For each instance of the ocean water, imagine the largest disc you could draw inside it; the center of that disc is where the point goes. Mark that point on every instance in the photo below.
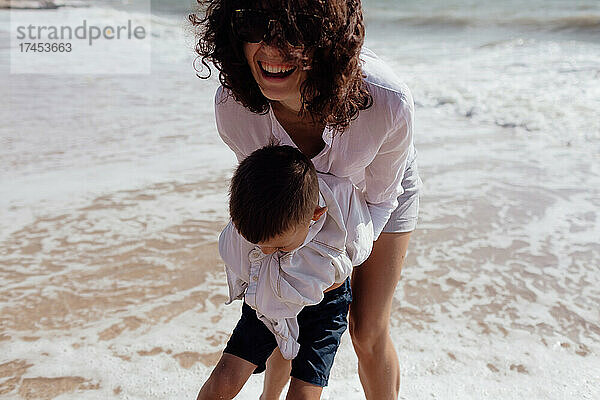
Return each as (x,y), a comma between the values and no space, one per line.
(529,64)
(113,189)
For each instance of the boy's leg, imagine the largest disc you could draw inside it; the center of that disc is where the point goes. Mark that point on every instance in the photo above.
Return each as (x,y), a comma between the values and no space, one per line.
(227,379)
(300,390)
(321,329)
(278,371)
(248,348)
(276,376)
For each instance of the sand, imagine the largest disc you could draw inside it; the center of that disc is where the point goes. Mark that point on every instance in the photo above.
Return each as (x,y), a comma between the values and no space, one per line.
(118,298)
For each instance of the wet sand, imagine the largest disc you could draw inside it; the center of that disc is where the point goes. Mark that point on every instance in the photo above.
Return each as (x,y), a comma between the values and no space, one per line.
(85,278)
(499,294)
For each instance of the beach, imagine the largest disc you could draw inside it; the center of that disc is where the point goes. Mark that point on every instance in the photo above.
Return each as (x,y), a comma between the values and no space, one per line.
(114,191)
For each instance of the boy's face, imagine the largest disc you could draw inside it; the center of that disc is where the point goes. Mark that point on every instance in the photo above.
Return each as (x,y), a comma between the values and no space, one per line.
(291,239)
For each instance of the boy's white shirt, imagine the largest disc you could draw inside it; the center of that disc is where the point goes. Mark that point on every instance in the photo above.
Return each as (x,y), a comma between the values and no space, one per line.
(279,285)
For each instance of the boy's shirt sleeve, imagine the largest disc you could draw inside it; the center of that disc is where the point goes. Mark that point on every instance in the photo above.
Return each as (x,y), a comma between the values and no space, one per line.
(231,248)
(295,281)
(237,286)
(286,332)
(349,206)
(359,228)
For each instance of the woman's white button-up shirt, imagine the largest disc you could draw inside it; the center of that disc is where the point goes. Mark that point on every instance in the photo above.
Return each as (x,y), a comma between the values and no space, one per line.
(373,152)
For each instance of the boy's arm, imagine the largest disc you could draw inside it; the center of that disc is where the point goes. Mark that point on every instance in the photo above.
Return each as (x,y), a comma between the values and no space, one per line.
(359,228)
(348,206)
(231,249)
(286,331)
(237,286)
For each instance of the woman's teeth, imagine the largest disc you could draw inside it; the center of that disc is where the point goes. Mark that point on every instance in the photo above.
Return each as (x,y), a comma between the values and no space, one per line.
(276,70)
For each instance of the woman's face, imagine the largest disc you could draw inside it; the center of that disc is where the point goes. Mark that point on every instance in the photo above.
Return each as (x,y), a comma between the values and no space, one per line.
(278,78)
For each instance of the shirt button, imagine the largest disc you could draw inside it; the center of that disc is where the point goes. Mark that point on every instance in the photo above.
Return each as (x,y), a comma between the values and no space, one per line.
(255,254)
(255,278)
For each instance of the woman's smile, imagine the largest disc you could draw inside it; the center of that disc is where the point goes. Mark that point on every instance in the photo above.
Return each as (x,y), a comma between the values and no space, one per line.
(276,71)
(278,79)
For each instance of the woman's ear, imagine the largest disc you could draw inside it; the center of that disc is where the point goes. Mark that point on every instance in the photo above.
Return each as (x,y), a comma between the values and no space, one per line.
(318,212)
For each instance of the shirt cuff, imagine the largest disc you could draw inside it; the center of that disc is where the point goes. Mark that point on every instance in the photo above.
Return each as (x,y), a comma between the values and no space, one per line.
(380,214)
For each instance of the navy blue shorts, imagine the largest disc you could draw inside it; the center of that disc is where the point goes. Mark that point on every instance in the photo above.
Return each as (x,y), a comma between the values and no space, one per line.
(321,328)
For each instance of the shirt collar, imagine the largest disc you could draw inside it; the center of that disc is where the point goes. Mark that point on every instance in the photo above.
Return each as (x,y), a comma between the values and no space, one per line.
(282,136)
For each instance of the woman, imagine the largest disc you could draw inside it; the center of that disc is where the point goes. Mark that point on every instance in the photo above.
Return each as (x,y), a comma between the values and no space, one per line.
(293,71)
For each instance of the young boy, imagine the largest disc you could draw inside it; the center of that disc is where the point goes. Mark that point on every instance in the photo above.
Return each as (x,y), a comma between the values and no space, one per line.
(289,250)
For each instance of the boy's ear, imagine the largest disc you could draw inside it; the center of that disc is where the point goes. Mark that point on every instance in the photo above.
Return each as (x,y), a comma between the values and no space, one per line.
(318,212)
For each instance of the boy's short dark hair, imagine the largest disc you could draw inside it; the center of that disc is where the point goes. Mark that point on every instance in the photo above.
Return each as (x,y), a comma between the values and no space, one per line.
(273,190)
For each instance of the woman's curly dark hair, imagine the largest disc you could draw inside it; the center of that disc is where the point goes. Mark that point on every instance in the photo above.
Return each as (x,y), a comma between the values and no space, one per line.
(333,92)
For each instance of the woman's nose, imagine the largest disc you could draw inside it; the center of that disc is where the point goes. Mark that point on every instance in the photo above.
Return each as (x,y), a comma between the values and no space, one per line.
(274,36)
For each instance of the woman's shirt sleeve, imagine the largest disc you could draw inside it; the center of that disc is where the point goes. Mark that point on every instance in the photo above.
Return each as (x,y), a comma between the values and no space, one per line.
(227,120)
(383,176)
(241,129)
